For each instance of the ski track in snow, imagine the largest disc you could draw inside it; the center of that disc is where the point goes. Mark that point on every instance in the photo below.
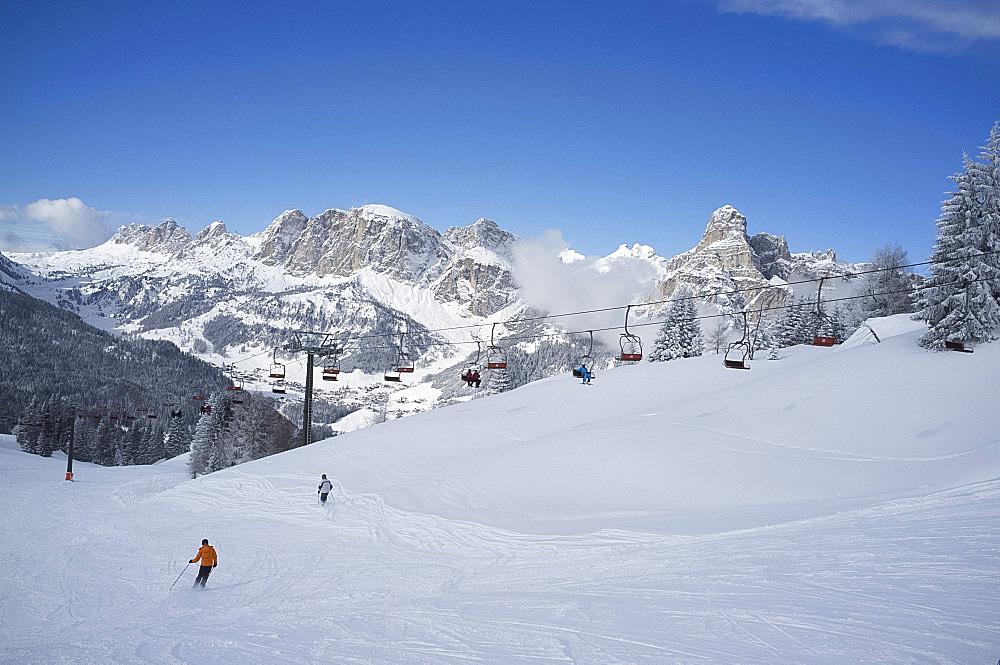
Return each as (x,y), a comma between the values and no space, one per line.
(361,581)
(902,570)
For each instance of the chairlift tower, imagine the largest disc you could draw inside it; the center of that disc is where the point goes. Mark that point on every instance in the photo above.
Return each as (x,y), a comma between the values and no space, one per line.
(327,347)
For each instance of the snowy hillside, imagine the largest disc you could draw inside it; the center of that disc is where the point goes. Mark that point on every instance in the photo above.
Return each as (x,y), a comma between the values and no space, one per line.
(834,506)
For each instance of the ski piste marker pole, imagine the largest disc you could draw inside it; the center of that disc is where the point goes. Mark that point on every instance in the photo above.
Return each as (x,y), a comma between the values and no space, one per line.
(179,577)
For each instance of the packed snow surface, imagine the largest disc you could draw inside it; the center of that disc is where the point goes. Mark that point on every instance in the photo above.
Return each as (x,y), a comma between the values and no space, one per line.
(835,506)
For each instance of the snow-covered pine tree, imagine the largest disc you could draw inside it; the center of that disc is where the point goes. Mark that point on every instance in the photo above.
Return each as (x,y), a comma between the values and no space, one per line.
(105,442)
(178,439)
(28,433)
(150,443)
(211,449)
(664,343)
(788,328)
(692,343)
(497,381)
(988,172)
(840,324)
(120,454)
(83,442)
(680,334)
(257,430)
(48,438)
(959,304)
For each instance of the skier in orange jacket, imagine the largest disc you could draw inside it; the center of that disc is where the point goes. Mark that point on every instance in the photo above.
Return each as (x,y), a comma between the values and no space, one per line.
(209,560)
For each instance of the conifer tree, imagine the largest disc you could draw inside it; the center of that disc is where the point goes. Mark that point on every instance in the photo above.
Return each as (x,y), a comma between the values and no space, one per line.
(680,334)
(664,342)
(960,304)
(988,171)
(178,439)
(211,450)
(104,442)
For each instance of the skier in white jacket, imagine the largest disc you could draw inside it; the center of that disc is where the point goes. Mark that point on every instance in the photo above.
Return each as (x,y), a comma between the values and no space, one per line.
(324,489)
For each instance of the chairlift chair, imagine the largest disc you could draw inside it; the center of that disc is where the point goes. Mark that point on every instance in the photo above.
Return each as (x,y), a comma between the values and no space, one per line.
(404,363)
(474,365)
(821,318)
(587,361)
(630,343)
(277,370)
(392,375)
(743,343)
(496,356)
(331,369)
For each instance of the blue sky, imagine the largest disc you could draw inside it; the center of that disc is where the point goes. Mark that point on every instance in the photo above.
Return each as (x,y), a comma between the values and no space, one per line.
(832,122)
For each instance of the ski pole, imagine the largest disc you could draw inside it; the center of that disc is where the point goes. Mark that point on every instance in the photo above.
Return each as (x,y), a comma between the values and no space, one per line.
(179,577)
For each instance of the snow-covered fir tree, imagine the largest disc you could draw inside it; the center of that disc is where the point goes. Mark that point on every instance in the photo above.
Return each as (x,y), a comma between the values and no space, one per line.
(960,304)
(680,334)
(988,172)
(209,449)
(105,443)
(178,438)
(232,434)
(791,326)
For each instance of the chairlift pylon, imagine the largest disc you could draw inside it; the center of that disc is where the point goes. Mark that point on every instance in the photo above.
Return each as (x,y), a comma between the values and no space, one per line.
(630,343)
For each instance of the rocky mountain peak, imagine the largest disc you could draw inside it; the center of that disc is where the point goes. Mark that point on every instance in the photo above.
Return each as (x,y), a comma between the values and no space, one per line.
(165,238)
(213,231)
(726,223)
(127,235)
(280,235)
(483,233)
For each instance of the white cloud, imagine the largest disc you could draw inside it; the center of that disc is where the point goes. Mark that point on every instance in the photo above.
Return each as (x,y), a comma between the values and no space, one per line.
(559,280)
(53,224)
(917,25)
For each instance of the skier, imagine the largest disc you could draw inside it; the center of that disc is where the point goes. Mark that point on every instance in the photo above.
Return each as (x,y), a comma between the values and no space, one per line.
(324,489)
(474,378)
(584,373)
(209,560)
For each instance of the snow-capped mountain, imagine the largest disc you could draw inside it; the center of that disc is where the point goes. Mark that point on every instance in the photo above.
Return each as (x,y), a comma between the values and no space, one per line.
(727,259)
(378,276)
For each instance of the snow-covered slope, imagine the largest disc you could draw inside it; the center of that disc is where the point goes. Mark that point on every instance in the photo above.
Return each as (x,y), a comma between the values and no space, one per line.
(833,506)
